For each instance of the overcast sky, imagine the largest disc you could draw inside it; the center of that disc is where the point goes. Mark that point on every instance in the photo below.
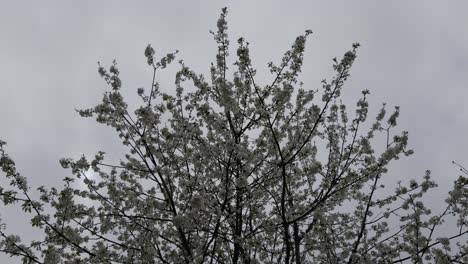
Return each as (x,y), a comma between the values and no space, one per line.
(413,54)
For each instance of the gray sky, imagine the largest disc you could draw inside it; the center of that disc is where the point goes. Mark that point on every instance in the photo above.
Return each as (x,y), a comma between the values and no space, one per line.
(414,54)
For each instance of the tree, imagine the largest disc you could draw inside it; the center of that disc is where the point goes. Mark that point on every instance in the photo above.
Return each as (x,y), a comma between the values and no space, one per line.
(238,172)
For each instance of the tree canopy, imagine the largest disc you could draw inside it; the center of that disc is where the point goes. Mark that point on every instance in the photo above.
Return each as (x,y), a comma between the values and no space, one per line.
(230,170)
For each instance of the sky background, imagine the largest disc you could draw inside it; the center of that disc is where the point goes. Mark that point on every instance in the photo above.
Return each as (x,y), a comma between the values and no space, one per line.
(413,54)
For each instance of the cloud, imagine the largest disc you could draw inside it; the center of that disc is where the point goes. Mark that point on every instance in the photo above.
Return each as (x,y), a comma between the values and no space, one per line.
(414,54)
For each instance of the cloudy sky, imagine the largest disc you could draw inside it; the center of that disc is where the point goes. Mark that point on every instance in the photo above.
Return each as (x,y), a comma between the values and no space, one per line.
(414,54)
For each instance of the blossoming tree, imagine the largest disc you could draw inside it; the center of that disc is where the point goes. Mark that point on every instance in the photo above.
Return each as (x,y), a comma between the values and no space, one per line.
(234,171)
